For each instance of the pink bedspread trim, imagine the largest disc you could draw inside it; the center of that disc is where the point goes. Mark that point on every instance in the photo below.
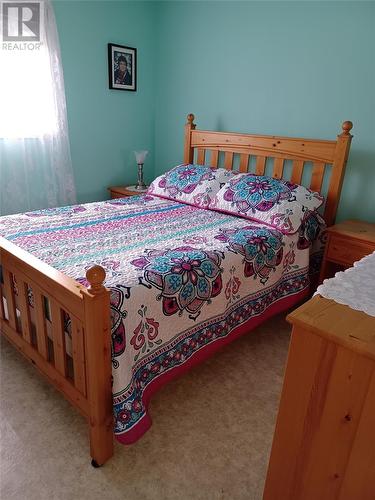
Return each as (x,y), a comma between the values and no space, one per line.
(132,435)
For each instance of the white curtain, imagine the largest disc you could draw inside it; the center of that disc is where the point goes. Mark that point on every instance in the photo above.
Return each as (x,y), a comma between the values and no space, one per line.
(35,162)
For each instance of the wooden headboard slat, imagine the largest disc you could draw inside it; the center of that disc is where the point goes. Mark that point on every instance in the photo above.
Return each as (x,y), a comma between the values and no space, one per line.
(201,156)
(228,160)
(297,171)
(244,162)
(260,165)
(317,176)
(278,168)
(301,151)
(214,158)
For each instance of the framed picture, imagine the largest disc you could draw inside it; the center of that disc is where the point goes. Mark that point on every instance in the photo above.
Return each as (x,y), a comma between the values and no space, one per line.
(122,67)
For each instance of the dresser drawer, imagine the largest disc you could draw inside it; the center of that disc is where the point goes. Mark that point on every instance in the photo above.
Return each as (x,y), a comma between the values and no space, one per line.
(346,251)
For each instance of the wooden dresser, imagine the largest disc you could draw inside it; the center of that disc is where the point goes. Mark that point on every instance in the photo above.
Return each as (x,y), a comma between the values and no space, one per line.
(324,441)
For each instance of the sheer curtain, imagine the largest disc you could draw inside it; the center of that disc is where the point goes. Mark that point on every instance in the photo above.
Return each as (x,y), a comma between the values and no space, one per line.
(35,163)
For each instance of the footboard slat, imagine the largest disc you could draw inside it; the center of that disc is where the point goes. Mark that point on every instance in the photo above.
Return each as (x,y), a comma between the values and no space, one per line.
(49,371)
(58,338)
(24,309)
(41,333)
(63,328)
(9,296)
(78,354)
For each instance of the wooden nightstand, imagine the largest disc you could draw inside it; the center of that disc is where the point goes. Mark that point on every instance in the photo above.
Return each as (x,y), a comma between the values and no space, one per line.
(347,242)
(124,191)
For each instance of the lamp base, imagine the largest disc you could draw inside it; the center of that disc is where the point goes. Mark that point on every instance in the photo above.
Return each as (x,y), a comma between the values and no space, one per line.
(140,187)
(137,189)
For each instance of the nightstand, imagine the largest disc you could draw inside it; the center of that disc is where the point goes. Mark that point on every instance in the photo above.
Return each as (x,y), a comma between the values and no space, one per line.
(347,242)
(124,191)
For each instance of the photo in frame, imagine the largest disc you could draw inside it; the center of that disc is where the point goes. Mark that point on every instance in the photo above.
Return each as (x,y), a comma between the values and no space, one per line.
(122,67)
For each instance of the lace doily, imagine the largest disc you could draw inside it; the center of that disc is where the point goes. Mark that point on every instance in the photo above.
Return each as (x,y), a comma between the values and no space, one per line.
(354,287)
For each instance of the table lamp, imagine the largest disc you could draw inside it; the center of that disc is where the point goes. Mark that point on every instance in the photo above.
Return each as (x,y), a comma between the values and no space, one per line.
(140,157)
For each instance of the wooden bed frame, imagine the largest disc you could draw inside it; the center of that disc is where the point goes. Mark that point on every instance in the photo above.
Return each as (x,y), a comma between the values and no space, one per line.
(84,376)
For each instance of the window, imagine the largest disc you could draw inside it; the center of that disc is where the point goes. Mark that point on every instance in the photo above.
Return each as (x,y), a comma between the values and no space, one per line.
(27,96)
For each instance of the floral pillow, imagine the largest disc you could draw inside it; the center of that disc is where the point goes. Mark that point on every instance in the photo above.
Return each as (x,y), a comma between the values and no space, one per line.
(277,203)
(193,184)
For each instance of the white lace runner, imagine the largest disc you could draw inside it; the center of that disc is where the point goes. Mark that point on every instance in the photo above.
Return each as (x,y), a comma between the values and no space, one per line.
(354,287)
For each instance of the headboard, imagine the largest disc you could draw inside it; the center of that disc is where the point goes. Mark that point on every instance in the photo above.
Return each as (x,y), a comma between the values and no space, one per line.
(324,156)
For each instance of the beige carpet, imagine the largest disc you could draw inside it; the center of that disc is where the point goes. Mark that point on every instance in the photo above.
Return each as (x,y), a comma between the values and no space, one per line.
(211,435)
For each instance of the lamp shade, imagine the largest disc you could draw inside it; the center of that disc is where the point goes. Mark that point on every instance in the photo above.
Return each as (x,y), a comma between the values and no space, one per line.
(140,156)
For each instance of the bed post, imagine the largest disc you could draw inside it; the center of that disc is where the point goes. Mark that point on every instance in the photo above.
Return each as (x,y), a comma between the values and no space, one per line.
(188,150)
(338,171)
(99,371)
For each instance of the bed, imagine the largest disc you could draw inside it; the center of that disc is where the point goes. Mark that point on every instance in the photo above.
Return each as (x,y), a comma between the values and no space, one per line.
(180,281)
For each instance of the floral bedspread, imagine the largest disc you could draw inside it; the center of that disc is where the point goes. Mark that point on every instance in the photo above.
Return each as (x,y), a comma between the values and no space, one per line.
(181,279)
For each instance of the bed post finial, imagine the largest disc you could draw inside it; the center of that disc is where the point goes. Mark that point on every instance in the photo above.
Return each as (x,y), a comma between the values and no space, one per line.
(346,127)
(96,276)
(188,150)
(190,119)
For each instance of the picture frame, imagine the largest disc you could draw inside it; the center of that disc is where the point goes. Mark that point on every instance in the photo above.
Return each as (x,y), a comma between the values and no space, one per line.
(122,67)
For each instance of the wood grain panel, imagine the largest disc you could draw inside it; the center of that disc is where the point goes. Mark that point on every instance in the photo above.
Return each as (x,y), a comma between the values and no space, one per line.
(354,331)
(359,481)
(304,356)
(334,457)
(333,423)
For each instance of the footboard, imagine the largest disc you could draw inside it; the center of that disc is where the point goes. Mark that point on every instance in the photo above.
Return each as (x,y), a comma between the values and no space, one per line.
(64,330)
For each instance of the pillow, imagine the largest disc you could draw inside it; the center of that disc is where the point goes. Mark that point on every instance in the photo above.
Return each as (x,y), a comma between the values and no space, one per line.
(277,203)
(192,184)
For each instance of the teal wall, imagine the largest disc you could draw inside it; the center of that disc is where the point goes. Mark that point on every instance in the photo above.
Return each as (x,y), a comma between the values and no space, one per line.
(286,68)
(105,126)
